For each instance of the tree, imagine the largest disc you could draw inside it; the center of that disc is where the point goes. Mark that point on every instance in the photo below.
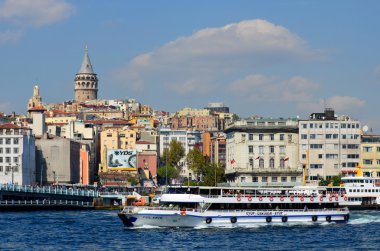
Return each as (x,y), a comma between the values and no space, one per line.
(174,154)
(173,173)
(323,182)
(196,161)
(213,174)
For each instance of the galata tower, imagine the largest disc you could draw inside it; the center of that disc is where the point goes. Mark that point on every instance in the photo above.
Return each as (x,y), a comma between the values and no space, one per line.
(86,81)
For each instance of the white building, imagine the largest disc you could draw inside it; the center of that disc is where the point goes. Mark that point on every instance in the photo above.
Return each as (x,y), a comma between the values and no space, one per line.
(17,155)
(329,145)
(263,152)
(188,139)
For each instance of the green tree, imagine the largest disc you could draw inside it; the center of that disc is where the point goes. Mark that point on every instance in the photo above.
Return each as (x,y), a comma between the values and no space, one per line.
(213,174)
(323,182)
(336,180)
(173,173)
(196,161)
(174,154)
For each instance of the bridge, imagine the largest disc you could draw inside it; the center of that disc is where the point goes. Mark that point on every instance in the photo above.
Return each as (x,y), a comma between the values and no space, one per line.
(15,197)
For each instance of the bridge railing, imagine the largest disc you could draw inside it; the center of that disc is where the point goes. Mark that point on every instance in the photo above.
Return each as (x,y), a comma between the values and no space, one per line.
(49,190)
(45,203)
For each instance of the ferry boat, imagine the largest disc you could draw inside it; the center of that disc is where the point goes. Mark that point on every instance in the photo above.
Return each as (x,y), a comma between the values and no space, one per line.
(362,192)
(237,206)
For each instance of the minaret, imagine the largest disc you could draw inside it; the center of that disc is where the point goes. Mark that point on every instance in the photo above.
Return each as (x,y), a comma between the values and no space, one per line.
(86,81)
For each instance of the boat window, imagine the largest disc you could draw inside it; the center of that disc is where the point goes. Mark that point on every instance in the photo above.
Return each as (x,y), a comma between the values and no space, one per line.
(350,190)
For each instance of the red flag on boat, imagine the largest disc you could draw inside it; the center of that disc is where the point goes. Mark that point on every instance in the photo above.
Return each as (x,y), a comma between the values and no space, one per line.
(232,161)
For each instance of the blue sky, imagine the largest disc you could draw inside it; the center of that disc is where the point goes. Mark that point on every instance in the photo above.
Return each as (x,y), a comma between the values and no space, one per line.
(268,58)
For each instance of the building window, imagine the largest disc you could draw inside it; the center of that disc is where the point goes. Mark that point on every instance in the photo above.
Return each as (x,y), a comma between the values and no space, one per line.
(1,141)
(255,179)
(282,163)
(320,156)
(250,149)
(378,161)
(261,163)
(7,141)
(1,159)
(261,149)
(293,179)
(7,159)
(264,179)
(271,149)
(378,149)
(274,179)
(282,149)
(303,136)
(242,179)
(261,136)
(304,125)
(304,156)
(271,163)
(282,137)
(7,150)
(271,136)
(316,166)
(251,162)
(316,146)
(367,162)
(15,159)
(250,136)
(15,141)
(284,179)
(367,149)
(15,150)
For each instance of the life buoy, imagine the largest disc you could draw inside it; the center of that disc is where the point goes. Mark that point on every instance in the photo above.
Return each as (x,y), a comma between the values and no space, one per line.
(292,198)
(268,219)
(238,198)
(249,198)
(328,218)
(233,220)
(321,198)
(271,198)
(261,198)
(346,217)
(284,218)
(345,198)
(314,218)
(330,199)
(282,198)
(336,198)
(301,198)
(311,198)
(208,220)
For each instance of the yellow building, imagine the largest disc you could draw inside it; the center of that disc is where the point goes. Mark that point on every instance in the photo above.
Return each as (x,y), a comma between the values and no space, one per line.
(142,120)
(370,155)
(193,112)
(116,138)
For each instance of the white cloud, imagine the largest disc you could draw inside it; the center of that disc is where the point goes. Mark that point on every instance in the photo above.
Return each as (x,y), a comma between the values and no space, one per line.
(213,53)
(34,13)
(9,37)
(345,103)
(261,88)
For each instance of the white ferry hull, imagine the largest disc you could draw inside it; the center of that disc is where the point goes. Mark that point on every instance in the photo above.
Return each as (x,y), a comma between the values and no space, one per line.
(158,218)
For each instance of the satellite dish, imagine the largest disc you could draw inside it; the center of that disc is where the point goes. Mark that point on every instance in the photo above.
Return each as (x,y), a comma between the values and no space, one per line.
(365,129)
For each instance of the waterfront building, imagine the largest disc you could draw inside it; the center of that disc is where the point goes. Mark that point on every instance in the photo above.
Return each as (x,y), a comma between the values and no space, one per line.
(329,145)
(263,152)
(214,147)
(17,155)
(192,112)
(117,155)
(217,107)
(370,155)
(188,139)
(57,160)
(86,81)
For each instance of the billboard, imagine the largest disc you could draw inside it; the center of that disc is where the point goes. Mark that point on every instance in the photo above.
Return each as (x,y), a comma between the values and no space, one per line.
(121,158)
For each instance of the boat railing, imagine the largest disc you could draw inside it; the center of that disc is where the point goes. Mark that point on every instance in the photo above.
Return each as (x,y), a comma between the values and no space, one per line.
(274,195)
(45,203)
(133,209)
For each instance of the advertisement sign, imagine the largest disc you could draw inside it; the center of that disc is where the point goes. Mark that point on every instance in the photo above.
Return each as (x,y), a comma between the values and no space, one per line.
(121,158)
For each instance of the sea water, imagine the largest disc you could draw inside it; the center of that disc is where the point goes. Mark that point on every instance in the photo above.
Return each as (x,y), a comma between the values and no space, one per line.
(102,230)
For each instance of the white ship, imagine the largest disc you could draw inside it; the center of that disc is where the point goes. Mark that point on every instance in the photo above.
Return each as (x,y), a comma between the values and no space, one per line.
(362,192)
(238,206)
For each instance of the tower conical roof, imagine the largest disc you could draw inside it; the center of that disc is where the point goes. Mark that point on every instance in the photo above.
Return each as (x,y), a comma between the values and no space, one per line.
(86,66)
